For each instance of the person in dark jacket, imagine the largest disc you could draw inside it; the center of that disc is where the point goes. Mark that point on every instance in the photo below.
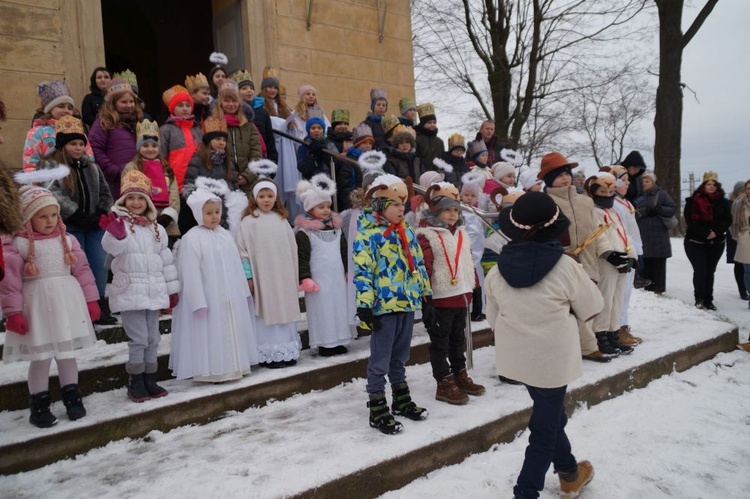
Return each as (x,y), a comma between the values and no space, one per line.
(636,166)
(402,161)
(492,144)
(653,205)
(708,215)
(455,158)
(100,79)
(311,159)
(339,132)
(254,111)
(378,107)
(429,145)
(408,108)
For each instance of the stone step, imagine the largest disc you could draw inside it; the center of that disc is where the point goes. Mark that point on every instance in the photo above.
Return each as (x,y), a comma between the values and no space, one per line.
(187,403)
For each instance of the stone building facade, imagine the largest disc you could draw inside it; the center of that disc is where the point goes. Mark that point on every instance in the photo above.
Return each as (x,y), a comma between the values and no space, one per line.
(342,47)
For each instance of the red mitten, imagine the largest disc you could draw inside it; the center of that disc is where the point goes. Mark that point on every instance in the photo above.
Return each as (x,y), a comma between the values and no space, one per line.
(17,324)
(200,314)
(174,299)
(114,225)
(94,311)
(308,285)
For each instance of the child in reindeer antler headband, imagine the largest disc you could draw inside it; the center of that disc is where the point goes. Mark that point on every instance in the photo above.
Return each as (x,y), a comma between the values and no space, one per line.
(391,282)
(322,250)
(447,257)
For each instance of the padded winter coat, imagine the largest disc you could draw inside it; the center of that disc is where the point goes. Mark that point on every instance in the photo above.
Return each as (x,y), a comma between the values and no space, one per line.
(654,233)
(40,140)
(403,164)
(429,147)
(243,146)
(113,149)
(698,230)
(178,142)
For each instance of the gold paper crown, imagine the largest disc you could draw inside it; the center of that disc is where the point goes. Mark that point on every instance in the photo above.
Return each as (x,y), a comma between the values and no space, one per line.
(242,76)
(195,82)
(269,72)
(130,77)
(426,109)
(282,90)
(213,124)
(171,92)
(135,182)
(118,85)
(456,140)
(146,128)
(711,175)
(229,85)
(404,129)
(69,125)
(340,116)
(389,123)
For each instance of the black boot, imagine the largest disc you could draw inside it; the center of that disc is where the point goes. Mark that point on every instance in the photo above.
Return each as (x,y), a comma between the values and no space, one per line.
(71,397)
(106,318)
(137,388)
(41,417)
(614,340)
(605,347)
(380,417)
(155,391)
(403,405)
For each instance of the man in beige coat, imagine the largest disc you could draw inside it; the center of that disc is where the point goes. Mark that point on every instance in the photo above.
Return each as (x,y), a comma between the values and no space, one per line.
(541,350)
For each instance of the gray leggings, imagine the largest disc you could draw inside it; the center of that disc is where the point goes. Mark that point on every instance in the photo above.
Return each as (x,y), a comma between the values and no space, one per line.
(142,327)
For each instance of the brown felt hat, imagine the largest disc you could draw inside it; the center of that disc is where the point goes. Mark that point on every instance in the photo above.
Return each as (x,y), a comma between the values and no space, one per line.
(553,161)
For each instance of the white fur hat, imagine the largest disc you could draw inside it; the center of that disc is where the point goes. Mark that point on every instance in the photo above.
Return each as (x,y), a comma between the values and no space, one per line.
(528,179)
(319,189)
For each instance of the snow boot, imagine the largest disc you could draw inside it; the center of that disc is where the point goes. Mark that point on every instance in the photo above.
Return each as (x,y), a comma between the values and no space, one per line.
(597,356)
(41,417)
(73,401)
(403,405)
(627,338)
(154,391)
(448,391)
(326,352)
(106,318)
(614,340)
(571,484)
(605,347)
(466,384)
(380,416)
(137,388)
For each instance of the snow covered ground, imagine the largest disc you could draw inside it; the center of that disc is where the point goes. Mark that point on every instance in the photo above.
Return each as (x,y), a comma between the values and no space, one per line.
(685,435)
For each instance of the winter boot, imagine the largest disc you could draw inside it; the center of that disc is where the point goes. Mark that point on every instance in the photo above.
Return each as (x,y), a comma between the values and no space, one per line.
(380,416)
(699,304)
(154,391)
(614,340)
(627,338)
(597,356)
(326,352)
(41,417)
(137,388)
(571,484)
(448,391)
(604,345)
(466,384)
(403,405)
(744,346)
(71,397)
(709,305)
(106,318)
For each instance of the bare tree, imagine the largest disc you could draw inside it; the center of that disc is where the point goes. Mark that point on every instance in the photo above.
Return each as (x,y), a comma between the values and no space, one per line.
(668,118)
(508,55)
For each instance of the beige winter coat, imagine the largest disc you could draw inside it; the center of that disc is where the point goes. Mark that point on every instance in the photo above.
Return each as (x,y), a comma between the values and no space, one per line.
(741,228)
(536,332)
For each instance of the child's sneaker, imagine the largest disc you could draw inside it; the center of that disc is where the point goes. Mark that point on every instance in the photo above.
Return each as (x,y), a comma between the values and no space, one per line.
(572,484)
(403,405)
(380,417)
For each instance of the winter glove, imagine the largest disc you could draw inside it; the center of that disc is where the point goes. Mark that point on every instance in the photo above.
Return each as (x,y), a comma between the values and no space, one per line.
(316,147)
(618,259)
(92,221)
(164,220)
(113,225)
(368,319)
(17,324)
(653,210)
(200,314)
(94,311)
(429,316)
(174,299)
(308,286)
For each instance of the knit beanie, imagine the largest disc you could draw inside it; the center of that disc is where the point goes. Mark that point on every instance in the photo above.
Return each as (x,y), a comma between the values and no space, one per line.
(315,120)
(550,177)
(34,198)
(501,169)
(528,179)
(319,189)
(270,78)
(54,93)
(430,177)
(649,175)
(174,95)
(68,128)
(304,88)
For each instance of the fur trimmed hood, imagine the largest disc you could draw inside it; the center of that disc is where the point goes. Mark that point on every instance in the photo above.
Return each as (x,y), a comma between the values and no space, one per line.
(10,209)
(302,222)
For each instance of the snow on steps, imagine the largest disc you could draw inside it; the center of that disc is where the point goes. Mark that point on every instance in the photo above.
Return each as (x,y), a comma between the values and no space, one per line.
(318,444)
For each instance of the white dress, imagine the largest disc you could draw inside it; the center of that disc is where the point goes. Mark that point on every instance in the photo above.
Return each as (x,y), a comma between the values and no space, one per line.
(54,304)
(222,345)
(327,320)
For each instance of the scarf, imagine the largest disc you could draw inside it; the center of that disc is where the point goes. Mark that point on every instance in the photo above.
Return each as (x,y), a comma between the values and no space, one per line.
(128,120)
(217,157)
(179,121)
(328,222)
(400,229)
(232,120)
(702,209)
(604,202)
(153,169)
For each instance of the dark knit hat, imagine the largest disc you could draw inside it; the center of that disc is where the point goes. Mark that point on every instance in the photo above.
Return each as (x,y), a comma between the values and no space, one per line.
(68,128)
(534,217)
(634,159)
(214,128)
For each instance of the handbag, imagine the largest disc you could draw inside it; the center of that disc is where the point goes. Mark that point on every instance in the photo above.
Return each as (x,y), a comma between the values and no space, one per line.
(669,222)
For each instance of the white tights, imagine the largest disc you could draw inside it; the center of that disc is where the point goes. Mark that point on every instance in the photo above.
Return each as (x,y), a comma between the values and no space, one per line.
(67,370)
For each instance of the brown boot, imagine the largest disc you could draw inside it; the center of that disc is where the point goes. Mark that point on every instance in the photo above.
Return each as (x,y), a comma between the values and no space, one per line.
(626,338)
(448,391)
(466,384)
(570,489)
(744,346)
(597,356)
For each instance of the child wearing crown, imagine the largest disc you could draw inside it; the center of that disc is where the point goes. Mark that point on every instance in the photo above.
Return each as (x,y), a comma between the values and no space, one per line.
(200,91)
(49,298)
(322,251)
(180,135)
(391,281)
(144,282)
(455,158)
(447,258)
(429,145)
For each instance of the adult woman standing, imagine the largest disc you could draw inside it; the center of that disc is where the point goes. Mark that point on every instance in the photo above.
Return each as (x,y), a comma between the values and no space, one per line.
(100,79)
(708,215)
(112,135)
(740,188)
(654,206)
(740,230)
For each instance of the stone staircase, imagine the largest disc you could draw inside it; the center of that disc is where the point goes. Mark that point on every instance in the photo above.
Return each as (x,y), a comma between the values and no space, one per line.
(447,437)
